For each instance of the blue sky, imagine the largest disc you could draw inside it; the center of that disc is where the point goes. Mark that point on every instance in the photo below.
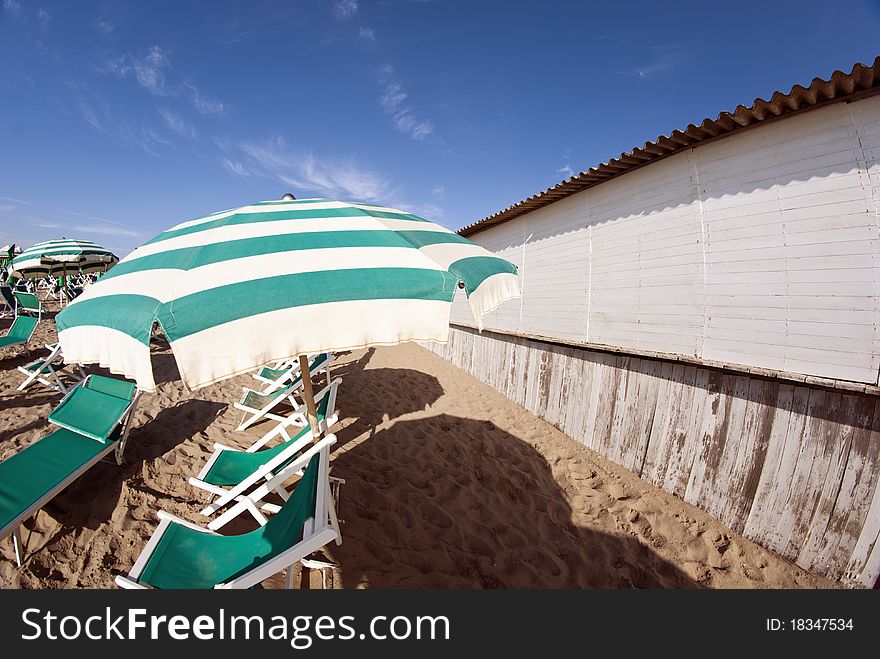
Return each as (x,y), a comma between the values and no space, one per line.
(120,119)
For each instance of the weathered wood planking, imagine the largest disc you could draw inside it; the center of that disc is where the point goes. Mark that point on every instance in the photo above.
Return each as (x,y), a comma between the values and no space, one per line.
(794,468)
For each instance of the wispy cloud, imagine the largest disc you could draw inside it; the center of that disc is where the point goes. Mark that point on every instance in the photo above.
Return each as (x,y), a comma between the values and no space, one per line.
(7,208)
(105,230)
(438,190)
(178,124)
(107,27)
(392,101)
(235,167)
(149,70)
(428,211)
(367,35)
(44,17)
(567,170)
(97,113)
(45,225)
(202,103)
(345,8)
(232,33)
(104,226)
(661,59)
(13,7)
(117,65)
(306,173)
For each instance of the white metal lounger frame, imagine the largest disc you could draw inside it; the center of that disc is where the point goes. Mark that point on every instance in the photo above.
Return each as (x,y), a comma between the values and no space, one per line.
(291,372)
(316,532)
(265,472)
(14,527)
(44,371)
(265,412)
(297,418)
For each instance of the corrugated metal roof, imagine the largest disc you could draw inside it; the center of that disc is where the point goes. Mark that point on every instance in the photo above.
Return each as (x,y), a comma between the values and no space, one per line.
(862,81)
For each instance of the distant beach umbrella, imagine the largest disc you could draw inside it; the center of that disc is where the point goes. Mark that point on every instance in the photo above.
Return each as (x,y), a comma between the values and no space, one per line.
(60,257)
(279,279)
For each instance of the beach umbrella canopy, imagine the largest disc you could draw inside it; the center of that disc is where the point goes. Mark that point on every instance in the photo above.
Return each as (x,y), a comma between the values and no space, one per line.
(60,257)
(273,280)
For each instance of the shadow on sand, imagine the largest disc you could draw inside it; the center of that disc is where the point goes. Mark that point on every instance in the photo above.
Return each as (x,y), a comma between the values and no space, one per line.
(446,501)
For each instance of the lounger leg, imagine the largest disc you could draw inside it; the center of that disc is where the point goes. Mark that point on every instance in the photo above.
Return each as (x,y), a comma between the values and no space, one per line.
(288,579)
(121,447)
(323,566)
(334,521)
(18,546)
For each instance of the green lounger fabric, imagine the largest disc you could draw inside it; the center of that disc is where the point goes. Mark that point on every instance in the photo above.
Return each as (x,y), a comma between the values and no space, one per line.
(272,373)
(41,366)
(27,301)
(186,558)
(20,331)
(93,409)
(29,475)
(275,373)
(258,401)
(119,388)
(232,467)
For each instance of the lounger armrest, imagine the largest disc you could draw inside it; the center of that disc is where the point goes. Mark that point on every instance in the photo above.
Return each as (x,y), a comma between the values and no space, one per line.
(218,449)
(177,520)
(128,584)
(213,490)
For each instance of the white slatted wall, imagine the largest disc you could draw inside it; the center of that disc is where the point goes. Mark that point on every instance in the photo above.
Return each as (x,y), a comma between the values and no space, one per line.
(760,249)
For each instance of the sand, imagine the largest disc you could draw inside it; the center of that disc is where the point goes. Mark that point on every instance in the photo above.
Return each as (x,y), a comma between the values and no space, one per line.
(449,485)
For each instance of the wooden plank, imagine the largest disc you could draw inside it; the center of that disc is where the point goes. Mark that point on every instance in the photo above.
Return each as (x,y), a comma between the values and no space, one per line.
(693,397)
(552,383)
(579,387)
(637,432)
(718,400)
(624,429)
(863,567)
(847,495)
(533,379)
(615,375)
(669,429)
(720,451)
(597,363)
(749,455)
(783,450)
(810,472)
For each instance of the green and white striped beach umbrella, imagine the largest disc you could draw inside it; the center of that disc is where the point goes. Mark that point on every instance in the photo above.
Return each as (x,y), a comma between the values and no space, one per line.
(243,287)
(58,257)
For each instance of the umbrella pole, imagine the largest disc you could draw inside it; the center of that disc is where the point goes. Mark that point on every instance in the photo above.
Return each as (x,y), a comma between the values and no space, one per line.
(309,396)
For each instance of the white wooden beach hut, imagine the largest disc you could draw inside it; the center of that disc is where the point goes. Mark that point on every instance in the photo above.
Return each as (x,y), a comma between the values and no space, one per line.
(705,310)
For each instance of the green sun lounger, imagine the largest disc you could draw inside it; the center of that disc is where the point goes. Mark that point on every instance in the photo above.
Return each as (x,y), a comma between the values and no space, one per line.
(278,377)
(20,332)
(93,421)
(257,405)
(29,311)
(239,477)
(48,371)
(8,300)
(183,555)
(28,303)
